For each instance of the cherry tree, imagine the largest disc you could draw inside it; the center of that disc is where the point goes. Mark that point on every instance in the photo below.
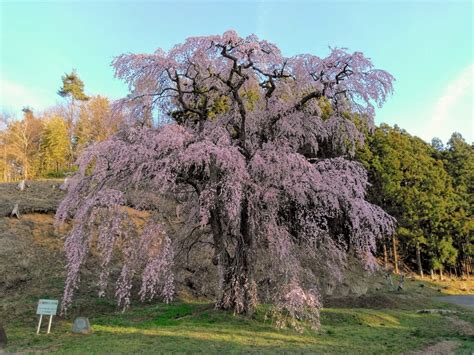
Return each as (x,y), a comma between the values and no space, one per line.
(256,148)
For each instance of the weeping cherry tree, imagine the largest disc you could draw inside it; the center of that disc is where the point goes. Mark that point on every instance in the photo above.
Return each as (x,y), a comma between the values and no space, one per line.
(256,147)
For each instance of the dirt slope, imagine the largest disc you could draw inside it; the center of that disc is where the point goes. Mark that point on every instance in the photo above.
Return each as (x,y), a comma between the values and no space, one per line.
(39,196)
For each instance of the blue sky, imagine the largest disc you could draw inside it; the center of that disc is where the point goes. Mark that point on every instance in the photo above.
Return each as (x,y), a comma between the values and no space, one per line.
(426,45)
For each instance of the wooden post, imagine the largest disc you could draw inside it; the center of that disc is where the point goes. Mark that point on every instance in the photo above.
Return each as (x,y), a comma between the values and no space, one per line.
(49,324)
(39,324)
(385,256)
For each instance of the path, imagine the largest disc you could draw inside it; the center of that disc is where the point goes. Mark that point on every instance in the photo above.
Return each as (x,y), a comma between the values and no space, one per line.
(461,300)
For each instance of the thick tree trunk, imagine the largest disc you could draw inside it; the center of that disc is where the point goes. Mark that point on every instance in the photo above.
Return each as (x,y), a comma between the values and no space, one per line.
(233,255)
(418,259)
(237,289)
(395,255)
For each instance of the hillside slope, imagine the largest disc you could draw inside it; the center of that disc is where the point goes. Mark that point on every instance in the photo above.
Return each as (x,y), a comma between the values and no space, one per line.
(41,196)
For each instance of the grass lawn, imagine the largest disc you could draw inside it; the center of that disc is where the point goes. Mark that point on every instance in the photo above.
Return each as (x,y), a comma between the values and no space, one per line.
(197,327)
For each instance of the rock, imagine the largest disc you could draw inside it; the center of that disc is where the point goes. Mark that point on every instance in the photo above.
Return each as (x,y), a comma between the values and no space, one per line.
(64,185)
(16,211)
(81,326)
(21,185)
(3,337)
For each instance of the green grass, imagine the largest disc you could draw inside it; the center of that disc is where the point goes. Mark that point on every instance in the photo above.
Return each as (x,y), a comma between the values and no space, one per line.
(198,327)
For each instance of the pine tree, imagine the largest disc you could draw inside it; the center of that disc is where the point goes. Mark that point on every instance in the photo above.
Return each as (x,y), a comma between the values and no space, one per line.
(72,88)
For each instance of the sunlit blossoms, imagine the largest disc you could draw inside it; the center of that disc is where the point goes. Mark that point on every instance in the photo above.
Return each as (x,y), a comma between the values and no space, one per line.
(256,148)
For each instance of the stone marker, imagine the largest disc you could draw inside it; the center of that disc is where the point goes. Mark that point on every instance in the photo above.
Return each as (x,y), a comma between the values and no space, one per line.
(3,337)
(63,186)
(21,186)
(81,326)
(16,211)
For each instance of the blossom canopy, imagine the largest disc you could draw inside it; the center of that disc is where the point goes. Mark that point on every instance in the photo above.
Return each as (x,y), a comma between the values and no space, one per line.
(256,149)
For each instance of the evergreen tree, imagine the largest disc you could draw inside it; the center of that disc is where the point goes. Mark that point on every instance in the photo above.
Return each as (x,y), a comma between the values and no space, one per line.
(459,161)
(411,185)
(72,88)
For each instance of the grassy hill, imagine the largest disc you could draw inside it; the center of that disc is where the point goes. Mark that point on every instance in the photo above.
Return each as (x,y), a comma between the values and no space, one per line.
(32,267)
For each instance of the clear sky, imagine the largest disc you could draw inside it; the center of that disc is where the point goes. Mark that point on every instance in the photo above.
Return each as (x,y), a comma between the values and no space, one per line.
(426,45)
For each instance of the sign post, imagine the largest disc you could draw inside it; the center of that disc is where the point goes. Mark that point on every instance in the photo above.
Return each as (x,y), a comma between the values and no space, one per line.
(46,307)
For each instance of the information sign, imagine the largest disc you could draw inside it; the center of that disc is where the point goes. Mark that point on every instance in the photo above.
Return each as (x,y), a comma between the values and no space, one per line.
(48,308)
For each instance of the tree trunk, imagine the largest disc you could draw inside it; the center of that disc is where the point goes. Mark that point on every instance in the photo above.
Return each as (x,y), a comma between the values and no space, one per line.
(418,259)
(25,171)
(440,274)
(395,256)
(385,256)
(5,172)
(468,267)
(237,289)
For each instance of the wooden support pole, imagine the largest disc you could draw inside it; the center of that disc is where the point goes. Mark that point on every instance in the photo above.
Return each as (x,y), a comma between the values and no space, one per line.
(50,321)
(39,324)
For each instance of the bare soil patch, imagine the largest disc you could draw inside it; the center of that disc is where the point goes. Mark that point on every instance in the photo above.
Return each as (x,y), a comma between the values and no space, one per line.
(442,348)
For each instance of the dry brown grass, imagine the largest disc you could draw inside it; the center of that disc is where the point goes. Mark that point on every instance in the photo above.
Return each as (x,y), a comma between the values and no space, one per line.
(31,263)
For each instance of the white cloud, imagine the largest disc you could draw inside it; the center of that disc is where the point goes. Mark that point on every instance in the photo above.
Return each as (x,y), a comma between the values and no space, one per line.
(453,110)
(14,96)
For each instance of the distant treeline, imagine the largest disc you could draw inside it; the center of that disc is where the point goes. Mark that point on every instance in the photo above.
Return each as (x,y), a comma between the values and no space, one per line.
(47,144)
